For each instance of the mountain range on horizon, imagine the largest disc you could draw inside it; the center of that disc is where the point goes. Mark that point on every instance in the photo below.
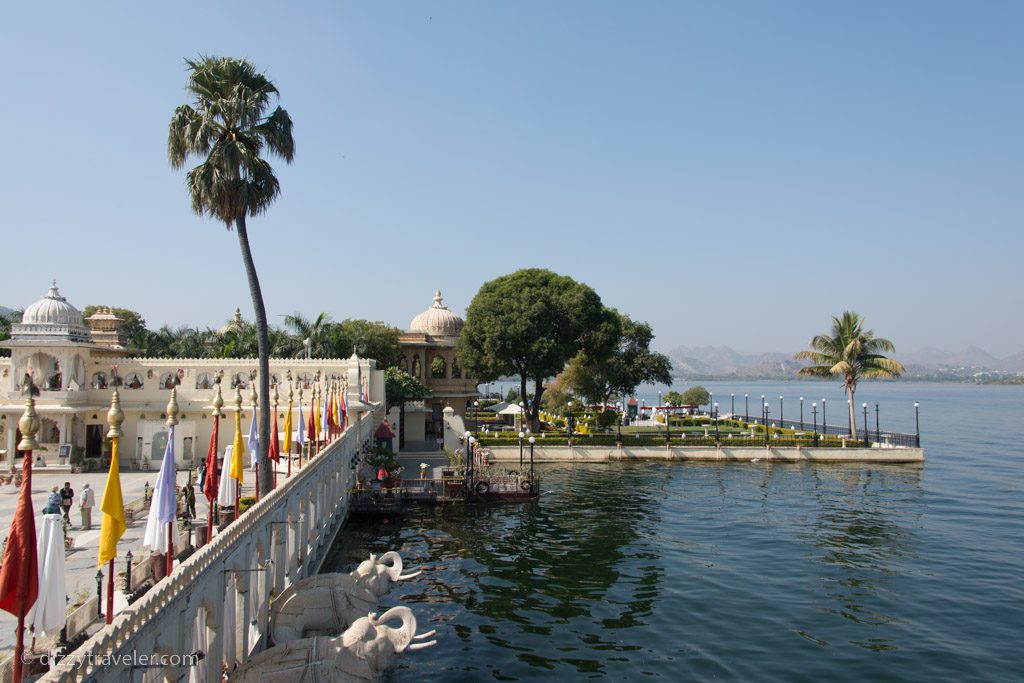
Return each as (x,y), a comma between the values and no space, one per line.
(724,361)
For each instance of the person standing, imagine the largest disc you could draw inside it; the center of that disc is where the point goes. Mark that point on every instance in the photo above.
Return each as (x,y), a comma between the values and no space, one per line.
(87,502)
(53,502)
(67,496)
(201,472)
(188,495)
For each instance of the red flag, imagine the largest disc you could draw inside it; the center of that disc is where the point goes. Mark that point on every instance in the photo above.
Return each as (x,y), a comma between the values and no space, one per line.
(275,450)
(19,577)
(211,483)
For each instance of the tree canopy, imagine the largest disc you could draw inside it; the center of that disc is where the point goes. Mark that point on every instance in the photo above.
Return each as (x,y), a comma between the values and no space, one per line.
(851,353)
(132,325)
(597,377)
(529,324)
(695,396)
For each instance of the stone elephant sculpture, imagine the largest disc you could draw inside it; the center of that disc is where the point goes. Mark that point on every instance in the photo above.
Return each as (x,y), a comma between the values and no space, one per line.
(360,653)
(327,604)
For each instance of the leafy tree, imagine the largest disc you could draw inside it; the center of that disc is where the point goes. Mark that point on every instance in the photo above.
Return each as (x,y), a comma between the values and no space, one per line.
(132,325)
(512,396)
(529,324)
(371,339)
(5,329)
(630,364)
(695,396)
(400,387)
(851,353)
(674,398)
(228,125)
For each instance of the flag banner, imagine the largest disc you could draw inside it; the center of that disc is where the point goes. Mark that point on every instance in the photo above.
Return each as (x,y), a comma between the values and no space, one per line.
(226,488)
(237,449)
(325,418)
(275,453)
(164,506)
(254,442)
(302,428)
(287,445)
(113,525)
(51,611)
(19,575)
(212,476)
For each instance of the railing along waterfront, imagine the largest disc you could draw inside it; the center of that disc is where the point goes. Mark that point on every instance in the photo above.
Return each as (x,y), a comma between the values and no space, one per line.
(212,609)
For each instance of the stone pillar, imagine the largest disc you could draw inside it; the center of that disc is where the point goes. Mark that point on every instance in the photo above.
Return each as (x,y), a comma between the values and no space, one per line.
(242,615)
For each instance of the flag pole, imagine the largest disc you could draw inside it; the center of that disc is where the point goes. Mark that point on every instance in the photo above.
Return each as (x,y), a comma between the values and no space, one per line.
(302,445)
(115,416)
(29,425)
(288,429)
(238,423)
(172,420)
(274,436)
(218,402)
(256,468)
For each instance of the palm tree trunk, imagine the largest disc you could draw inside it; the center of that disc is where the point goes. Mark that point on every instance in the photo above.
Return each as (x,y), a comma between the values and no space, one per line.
(853,415)
(263,345)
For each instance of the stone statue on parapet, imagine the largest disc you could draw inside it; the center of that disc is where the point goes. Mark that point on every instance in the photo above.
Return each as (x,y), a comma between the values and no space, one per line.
(360,653)
(327,604)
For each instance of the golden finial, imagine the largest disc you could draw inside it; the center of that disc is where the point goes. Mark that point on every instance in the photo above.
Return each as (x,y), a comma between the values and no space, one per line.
(291,394)
(172,408)
(29,425)
(218,401)
(115,416)
(238,399)
(252,395)
(277,397)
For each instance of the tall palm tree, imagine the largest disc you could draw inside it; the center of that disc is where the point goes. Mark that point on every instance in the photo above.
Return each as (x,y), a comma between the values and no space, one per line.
(851,353)
(228,123)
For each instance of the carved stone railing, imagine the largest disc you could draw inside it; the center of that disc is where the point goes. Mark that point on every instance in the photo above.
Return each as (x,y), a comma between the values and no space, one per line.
(283,537)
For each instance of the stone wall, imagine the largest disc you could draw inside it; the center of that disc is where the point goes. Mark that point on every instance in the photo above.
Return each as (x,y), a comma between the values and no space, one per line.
(748,454)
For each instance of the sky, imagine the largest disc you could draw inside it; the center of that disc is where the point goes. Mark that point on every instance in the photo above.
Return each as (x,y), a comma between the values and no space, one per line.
(734,173)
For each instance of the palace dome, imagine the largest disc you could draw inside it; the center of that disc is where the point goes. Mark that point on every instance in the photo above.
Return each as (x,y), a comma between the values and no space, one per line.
(52,309)
(51,318)
(437,321)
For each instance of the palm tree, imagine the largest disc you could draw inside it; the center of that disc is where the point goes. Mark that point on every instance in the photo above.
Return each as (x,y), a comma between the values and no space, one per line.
(850,353)
(228,124)
(317,331)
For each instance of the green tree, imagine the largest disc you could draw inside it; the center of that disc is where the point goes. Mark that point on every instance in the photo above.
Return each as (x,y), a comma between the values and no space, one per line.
(529,324)
(851,353)
(400,387)
(230,125)
(630,364)
(370,339)
(674,398)
(695,396)
(132,325)
(5,329)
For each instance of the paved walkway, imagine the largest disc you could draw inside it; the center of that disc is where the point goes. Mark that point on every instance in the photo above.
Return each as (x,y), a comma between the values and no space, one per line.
(80,570)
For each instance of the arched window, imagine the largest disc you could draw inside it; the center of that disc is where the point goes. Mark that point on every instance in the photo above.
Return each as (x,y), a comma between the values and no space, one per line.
(133,381)
(456,368)
(204,381)
(99,380)
(438,368)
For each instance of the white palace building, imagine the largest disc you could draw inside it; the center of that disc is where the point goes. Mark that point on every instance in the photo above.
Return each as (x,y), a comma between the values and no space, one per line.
(71,361)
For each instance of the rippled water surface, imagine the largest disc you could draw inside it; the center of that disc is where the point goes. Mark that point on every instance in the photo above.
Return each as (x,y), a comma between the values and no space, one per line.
(737,571)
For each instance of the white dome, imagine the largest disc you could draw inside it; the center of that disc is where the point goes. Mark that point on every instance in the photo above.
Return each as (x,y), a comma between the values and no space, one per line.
(52,309)
(437,321)
(52,317)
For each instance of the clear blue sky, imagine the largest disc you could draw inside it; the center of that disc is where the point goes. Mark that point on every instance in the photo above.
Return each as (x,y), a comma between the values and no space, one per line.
(734,173)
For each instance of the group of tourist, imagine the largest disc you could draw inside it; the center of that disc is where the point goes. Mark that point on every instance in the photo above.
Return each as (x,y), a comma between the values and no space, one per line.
(61,500)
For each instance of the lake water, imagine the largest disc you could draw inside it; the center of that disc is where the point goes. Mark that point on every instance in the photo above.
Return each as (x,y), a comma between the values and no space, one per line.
(738,572)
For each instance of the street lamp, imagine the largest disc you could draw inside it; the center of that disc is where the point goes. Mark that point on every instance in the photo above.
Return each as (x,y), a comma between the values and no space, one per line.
(878,435)
(521,416)
(716,423)
(917,423)
(532,439)
(801,413)
(476,416)
(732,408)
(711,397)
(521,435)
(568,422)
(746,407)
(814,411)
(865,406)
(469,450)
(766,437)
(824,422)
(781,423)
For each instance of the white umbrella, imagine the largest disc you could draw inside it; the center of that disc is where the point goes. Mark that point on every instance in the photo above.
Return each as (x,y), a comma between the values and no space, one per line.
(226,492)
(50,612)
(164,507)
(511,409)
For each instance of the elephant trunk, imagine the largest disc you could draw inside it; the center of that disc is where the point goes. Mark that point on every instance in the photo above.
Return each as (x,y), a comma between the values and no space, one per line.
(403,636)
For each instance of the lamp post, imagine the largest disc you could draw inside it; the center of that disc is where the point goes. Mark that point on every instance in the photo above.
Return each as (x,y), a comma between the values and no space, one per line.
(128,572)
(849,418)
(824,423)
(732,406)
(814,411)
(568,422)
(521,435)
(476,416)
(716,423)
(801,413)
(878,434)
(711,398)
(865,406)
(917,424)
(766,436)
(470,441)
(532,439)
(746,407)
(467,437)
(781,423)
(521,407)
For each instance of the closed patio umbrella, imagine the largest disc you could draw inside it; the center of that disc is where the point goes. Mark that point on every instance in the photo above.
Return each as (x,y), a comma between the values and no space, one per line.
(50,611)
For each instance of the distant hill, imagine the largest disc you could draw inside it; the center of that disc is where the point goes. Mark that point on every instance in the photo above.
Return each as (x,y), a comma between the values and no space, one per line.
(6,312)
(723,362)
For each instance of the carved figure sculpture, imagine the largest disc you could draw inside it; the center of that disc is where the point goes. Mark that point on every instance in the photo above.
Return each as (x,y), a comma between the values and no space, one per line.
(364,650)
(326,604)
